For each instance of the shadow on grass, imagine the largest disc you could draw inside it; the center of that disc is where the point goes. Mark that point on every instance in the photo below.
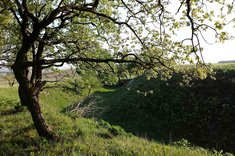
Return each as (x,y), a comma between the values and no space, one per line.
(12,111)
(18,143)
(18,146)
(8,112)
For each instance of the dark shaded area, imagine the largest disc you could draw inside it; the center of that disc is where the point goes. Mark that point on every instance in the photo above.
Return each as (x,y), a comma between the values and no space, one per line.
(8,112)
(201,111)
(15,140)
(20,143)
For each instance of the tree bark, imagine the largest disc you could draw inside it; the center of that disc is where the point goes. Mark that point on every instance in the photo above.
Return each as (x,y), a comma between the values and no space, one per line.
(39,122)
(30,98)
(29,93)
(22,96)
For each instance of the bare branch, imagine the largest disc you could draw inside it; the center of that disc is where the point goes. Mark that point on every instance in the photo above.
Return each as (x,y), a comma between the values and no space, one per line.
(181,4)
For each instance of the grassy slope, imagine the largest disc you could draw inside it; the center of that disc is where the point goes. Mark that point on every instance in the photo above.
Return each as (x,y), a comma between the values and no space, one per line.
(201,111)
(79,136)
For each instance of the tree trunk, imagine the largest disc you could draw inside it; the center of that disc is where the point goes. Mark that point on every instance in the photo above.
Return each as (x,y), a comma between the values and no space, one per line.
(39,122)
(29,90)
(29,96)
(22,95)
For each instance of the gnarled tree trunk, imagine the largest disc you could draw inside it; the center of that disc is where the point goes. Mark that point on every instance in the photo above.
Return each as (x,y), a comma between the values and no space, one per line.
(29,90)
(29,96)
(39,122)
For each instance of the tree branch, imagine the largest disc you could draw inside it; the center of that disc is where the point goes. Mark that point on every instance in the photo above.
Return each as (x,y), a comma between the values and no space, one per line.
(67,60)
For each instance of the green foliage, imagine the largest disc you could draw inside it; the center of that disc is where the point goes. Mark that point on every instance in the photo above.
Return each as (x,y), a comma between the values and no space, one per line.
(114,29)
(104,73)
(84,84)
(182,142)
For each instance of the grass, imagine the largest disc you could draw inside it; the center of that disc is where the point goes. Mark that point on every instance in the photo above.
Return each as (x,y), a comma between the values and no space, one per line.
(78,136)
(201,111)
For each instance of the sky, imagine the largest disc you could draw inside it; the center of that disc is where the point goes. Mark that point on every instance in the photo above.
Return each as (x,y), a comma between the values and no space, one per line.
(213,51)
(219,52)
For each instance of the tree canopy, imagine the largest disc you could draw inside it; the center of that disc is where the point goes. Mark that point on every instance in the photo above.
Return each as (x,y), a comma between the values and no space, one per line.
(139,31)
(42,34)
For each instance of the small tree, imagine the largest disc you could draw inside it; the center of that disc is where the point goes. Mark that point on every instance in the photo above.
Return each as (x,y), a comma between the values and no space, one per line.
(39,34)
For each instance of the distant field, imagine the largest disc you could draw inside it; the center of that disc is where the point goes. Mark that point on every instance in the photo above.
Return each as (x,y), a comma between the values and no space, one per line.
(3,82)
(48,76)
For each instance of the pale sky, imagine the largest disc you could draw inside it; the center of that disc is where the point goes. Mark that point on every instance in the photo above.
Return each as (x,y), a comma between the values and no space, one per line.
(219,52)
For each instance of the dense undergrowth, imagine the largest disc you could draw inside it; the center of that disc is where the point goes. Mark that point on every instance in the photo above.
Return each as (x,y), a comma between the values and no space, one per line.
(78,136)
(201,111)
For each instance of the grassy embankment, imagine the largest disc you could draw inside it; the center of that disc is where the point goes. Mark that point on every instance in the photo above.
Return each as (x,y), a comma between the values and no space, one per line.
(78,136)
(200,111)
